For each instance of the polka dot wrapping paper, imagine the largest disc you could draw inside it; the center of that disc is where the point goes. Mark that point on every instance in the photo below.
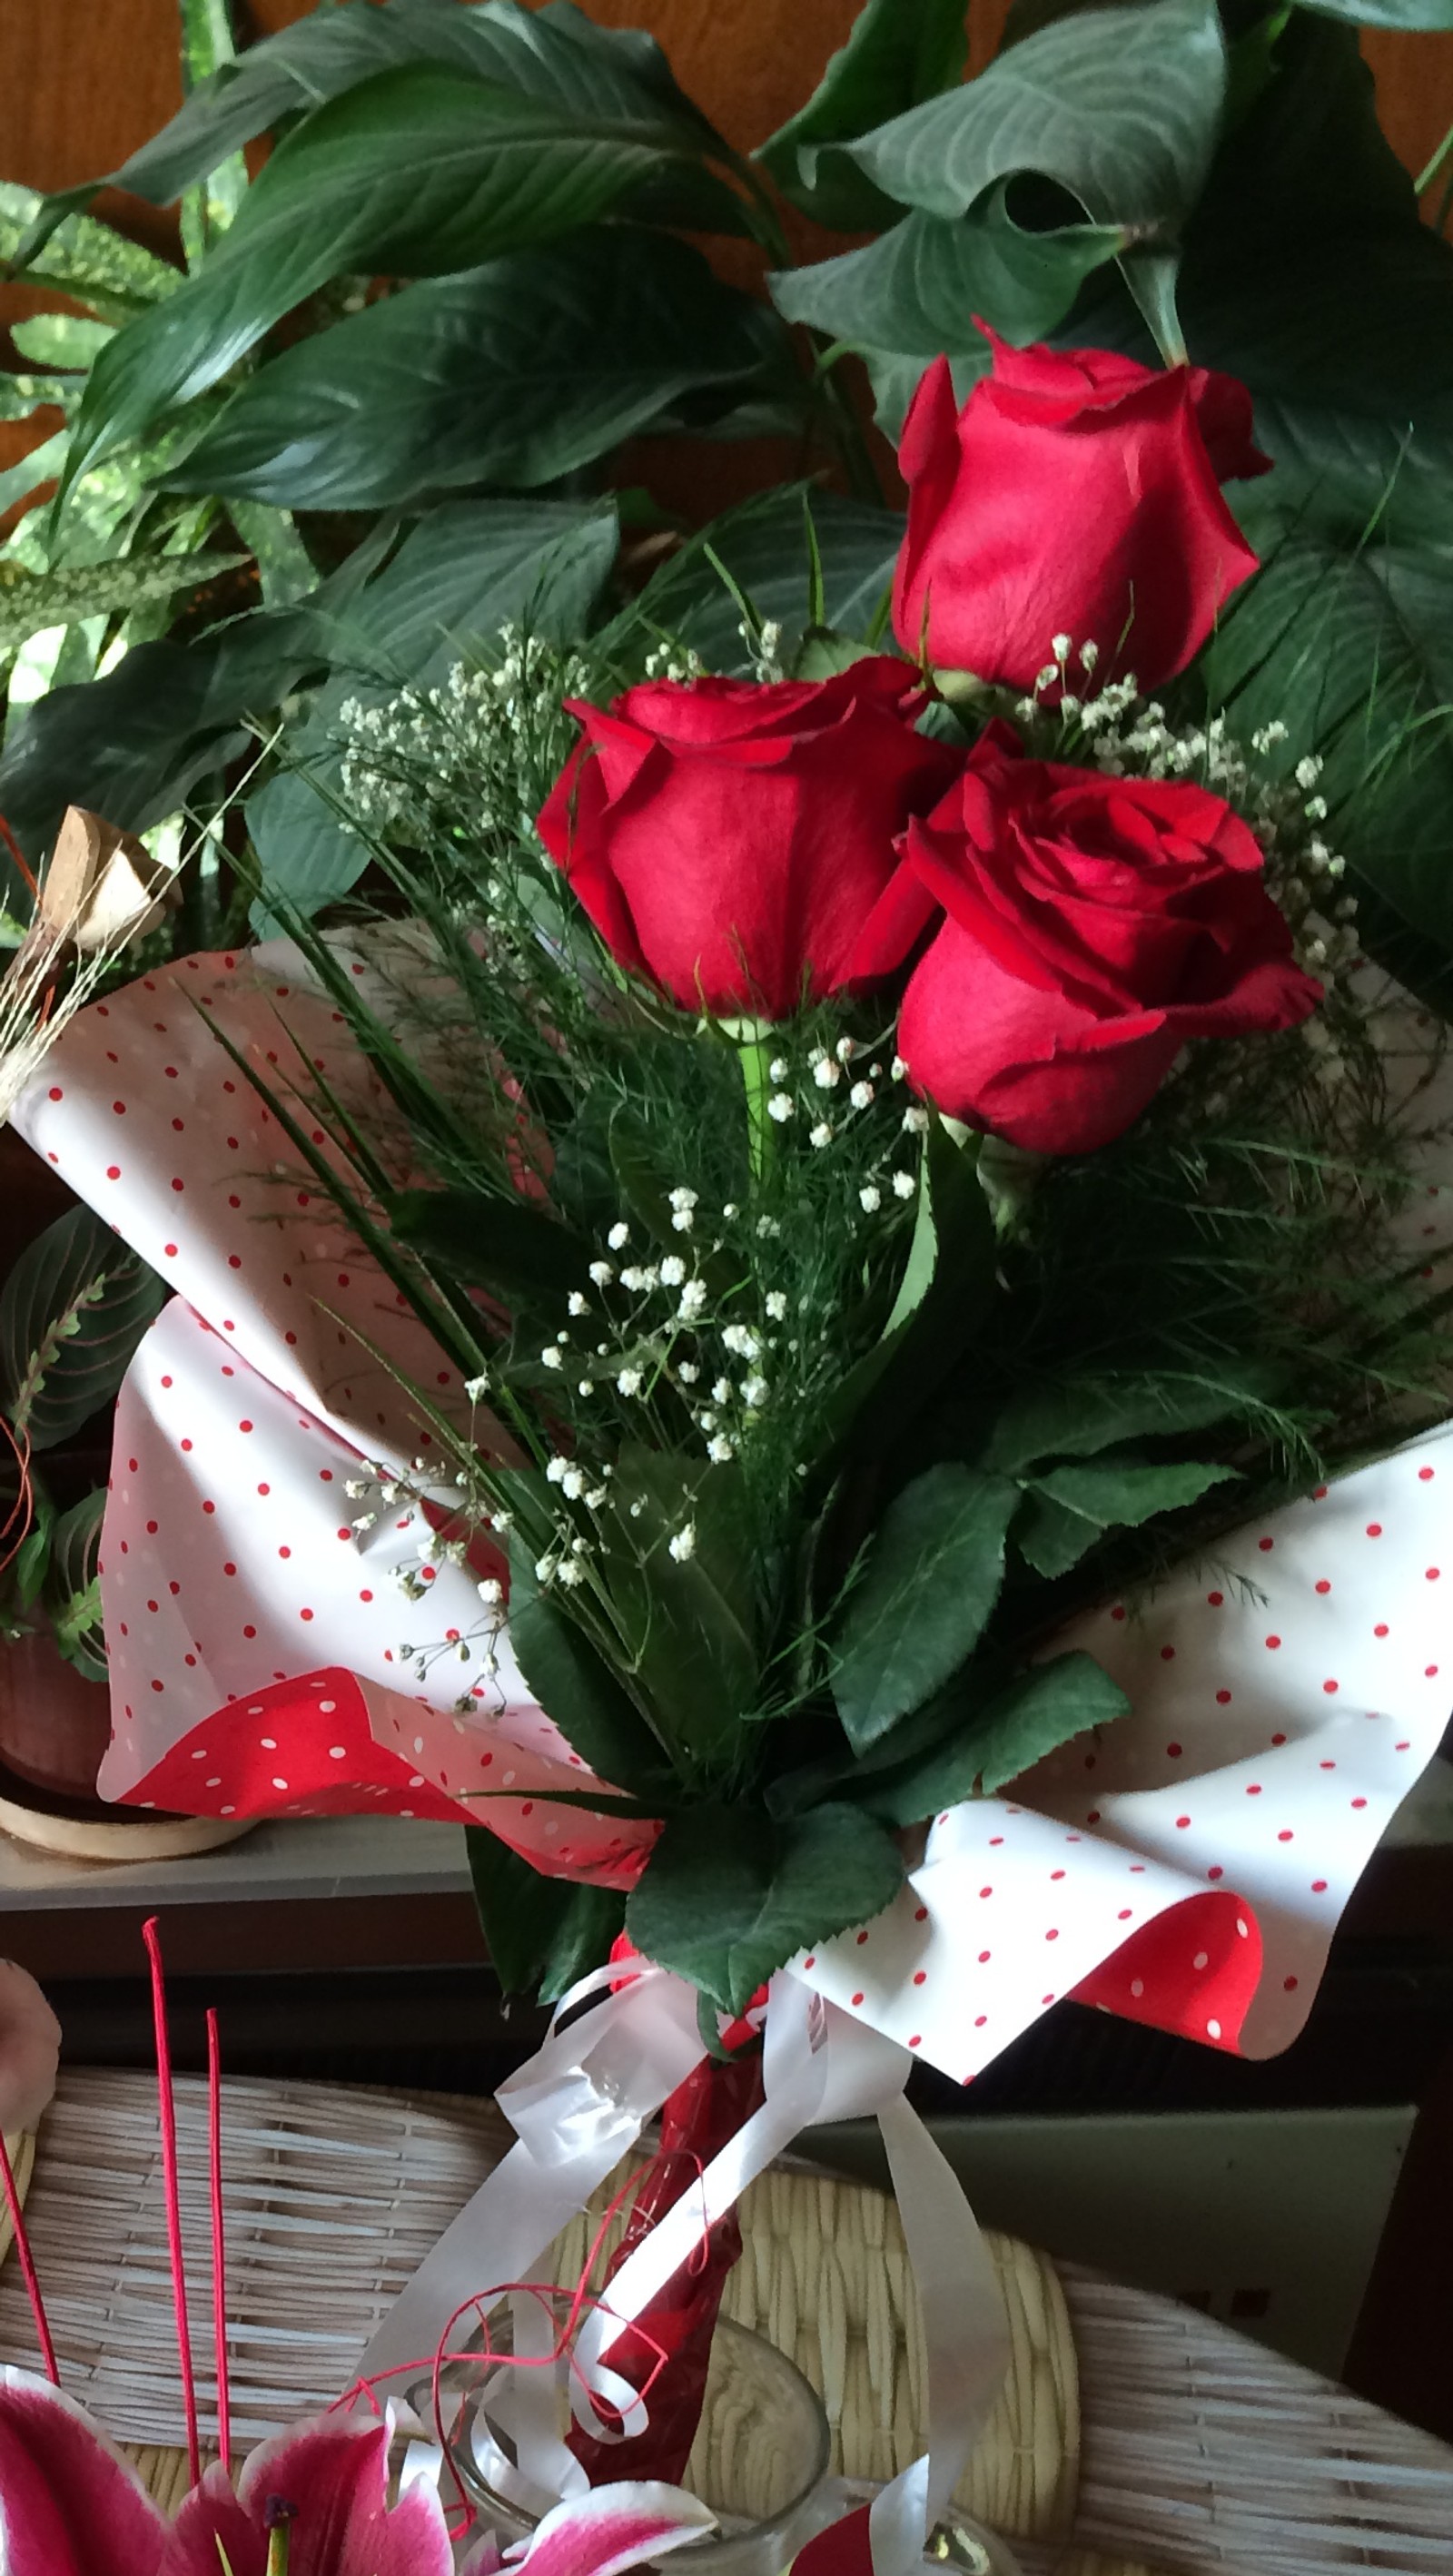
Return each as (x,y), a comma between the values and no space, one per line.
(1186,1868)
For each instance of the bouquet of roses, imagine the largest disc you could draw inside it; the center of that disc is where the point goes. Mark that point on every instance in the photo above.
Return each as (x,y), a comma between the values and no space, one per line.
(883,1153)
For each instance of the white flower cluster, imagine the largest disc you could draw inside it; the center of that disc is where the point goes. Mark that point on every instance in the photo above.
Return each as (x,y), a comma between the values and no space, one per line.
(481,738)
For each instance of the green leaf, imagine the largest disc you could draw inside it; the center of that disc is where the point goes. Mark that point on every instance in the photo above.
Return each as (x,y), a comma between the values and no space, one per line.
(466,569)
(72,1590)
(921,288)
(552,53)
(208,208)
(947,1283)
(541,1933)
(899,53)
(1351,645)
(415,172)
(575,1687)
(764,548)
(85,260)
(491,1242)
(1037,1713)
(60,340)
(1121,1493)
(1051,1538)
(512,374)
(71,1314)
(729,1896)
(131,746)
(1073,1417)
(1122,107)
(30,600)
(933,1572)
(689,1626)
(1406,17)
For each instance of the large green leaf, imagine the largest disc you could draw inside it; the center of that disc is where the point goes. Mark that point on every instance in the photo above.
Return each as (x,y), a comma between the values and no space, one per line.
(132,745)
(1122,107)
(415,172)
(1032,1716)
(576,1688)
(1073,1417)
(729,1896)
(511,374)
(31,600)
(541,1933)
(1350,645)
(933,1573)
(208,45)
(899,53)
(552,53)
(1407,17)
(764,547)
(71,1314)
(920,289)
(464,571)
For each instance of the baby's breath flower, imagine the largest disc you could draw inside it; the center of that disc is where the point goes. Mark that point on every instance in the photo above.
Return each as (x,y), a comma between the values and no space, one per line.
(550,1358)
(719,1449)
(576,1304)
(476,1388)
(915,1121)
(1059,646)
(741,1339)
(673,1270)
(683,1545)
(820,1135)
(754,1392)
(618,1237)
(556,1470)
(596,1499)
(680,1199)
(572,1484)
(692,1301)
(571,1574)
(781,1106)
(870,1198)
(861,1095)
(778,1069)
(602,1273)
(1308,770)
(688,1372)
(1089,653)
(491,1591)
(776,1304)
(630,1381)
(904,1185)
(826,1071)
(721,1392)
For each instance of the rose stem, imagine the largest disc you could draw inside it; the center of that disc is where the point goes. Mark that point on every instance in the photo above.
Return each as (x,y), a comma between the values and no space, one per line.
(167,2111)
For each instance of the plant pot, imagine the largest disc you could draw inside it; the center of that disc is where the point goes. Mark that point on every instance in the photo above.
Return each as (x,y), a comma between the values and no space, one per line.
(55,1725)
(54,1729)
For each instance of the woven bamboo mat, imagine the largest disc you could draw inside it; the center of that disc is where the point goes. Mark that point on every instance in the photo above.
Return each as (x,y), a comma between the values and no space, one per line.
(334,2196)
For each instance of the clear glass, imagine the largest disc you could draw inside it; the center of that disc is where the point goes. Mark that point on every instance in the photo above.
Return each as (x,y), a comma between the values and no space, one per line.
(760,2458)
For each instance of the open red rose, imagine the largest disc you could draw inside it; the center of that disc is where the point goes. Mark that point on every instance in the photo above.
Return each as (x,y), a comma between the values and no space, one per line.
(729,840)
(1090,926)
(1076,493)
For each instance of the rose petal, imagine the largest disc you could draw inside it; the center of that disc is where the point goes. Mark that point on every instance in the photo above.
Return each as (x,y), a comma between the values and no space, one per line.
(613,2528)
(69,2504)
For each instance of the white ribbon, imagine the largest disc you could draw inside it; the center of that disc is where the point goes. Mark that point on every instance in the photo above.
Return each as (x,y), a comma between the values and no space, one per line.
(582,2102)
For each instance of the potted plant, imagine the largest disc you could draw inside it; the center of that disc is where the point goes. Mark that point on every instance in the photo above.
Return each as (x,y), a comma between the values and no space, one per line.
(71,1314)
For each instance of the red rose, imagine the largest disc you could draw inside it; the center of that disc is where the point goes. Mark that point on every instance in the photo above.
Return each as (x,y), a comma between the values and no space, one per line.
(729,840)
(1090,926)
(1076,493)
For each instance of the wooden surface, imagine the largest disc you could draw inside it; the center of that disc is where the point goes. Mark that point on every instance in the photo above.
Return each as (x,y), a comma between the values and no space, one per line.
(82,84)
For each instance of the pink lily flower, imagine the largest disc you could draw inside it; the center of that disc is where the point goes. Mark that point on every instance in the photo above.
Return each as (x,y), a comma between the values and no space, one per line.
(313,2502)
(601,2533)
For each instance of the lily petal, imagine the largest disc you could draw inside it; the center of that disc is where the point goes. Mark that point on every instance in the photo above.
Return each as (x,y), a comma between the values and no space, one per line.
(333,2472)
(69,2504)
(613,2528)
